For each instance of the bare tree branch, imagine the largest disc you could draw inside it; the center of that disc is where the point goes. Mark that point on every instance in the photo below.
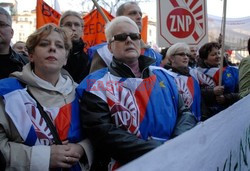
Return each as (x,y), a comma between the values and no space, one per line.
(108,4)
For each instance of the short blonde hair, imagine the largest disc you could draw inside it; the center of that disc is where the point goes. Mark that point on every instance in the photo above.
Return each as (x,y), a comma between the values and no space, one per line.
(44,31)
(109,27)
(177,47)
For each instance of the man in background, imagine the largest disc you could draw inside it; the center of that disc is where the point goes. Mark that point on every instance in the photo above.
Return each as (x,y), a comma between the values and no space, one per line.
(10,60)
(78,61)
(193,57)
(20,47)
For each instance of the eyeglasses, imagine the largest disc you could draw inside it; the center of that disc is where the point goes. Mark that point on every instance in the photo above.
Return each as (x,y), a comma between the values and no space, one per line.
(122,37)
(2,24)
(183,54)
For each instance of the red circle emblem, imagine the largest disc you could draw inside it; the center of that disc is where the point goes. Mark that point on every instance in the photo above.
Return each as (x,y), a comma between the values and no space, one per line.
(180,23)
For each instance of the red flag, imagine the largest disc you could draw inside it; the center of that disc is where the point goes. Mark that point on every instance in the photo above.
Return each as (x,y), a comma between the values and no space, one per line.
(94,23)
(45,14)
(144,30)
(94,27)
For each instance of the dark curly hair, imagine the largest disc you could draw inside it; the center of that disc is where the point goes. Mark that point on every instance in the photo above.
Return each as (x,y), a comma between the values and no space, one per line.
(207,48)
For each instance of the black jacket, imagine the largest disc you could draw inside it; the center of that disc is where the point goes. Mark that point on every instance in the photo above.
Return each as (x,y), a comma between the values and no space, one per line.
(13,62)
(2,162)
(78,62)
(114,142)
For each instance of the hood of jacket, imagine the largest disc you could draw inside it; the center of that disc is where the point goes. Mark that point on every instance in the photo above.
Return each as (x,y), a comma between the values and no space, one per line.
(64,86)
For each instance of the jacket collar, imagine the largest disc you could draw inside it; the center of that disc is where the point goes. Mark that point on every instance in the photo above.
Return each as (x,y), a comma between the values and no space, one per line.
(77,46)
(18,57)
(181,70)
(119,68)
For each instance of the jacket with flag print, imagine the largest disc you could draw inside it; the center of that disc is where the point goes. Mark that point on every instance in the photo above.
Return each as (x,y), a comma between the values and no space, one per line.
(189,82)
(25,138)
(126,117)
(230,81)
(104,56)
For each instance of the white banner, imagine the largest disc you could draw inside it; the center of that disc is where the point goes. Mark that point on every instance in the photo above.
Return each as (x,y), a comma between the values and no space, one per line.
(220,143)
(237,31)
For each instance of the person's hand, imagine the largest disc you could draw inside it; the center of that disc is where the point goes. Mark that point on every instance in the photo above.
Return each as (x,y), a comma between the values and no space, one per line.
(76,149)
(58,156)
(74,153)
(220,99)
(218,90)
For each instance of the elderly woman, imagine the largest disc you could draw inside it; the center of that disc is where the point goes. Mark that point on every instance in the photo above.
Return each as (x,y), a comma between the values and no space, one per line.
(188,80)
(131,107)
(224,95)
(39,112)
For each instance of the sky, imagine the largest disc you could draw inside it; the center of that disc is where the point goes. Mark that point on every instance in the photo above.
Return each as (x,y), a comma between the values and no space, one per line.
(235,8)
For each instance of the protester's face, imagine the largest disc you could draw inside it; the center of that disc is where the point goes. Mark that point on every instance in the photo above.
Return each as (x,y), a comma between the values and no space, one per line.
(180,59)
(193,53)
(133,11)
(6,32)
(213,58)
(49,56)
(73,26)
(20,47)
(128,50)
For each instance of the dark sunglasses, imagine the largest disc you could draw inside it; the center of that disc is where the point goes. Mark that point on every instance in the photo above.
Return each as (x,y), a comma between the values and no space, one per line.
(124,36)
(183,54)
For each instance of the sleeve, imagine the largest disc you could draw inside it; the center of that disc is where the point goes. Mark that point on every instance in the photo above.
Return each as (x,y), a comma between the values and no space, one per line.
(207,94)
(87,158)
(17,155)
(244,77)
(40,158)
(185,121)
(107,137)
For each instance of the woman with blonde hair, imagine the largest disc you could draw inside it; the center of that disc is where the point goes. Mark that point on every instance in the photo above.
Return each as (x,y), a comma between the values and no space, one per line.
(190,82)
(39,111)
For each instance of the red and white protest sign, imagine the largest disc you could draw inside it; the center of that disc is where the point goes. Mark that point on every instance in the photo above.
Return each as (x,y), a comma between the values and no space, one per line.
(181,21)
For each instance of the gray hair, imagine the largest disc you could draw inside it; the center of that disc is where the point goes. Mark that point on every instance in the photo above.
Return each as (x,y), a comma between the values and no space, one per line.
(110,27)
(4,12)
(177,47)
(121,8)
(70,13)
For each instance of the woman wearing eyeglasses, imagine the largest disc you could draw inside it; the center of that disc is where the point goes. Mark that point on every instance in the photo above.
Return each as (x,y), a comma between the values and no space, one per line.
(189,80)
(225,95)
(130,107)
(39,111)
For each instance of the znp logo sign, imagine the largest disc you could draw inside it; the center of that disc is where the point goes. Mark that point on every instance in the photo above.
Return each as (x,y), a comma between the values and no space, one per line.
(181,21)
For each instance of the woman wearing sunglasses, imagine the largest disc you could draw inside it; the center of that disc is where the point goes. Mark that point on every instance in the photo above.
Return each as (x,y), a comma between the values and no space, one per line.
(39,111)
(190,81)
(130,107)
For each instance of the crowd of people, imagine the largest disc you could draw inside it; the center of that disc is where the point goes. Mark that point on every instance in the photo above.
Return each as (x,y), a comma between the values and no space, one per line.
(62,108)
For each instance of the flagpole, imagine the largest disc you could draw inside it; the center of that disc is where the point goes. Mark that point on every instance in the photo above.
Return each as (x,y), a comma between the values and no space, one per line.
(223,40)
(101,11)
